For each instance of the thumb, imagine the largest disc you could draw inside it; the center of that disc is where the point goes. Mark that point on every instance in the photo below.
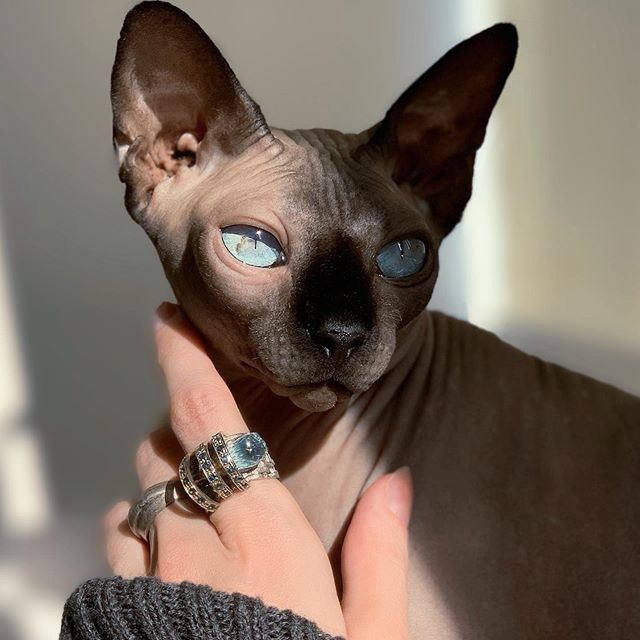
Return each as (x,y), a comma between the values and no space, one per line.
(375,561)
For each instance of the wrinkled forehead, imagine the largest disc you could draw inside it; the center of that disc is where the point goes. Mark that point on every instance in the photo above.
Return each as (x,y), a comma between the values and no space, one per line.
(328,197)
(315,187)
(336,191)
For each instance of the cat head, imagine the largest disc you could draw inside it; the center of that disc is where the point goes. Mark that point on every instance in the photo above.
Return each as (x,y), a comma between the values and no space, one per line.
(299,255)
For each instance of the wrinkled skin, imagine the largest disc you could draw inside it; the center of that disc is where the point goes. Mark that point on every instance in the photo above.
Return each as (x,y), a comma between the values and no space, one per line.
(334,218)
(196,155)
(526,478)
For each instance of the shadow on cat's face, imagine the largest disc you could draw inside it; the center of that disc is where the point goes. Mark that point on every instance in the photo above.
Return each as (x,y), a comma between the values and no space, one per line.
(322,324)
(299,255)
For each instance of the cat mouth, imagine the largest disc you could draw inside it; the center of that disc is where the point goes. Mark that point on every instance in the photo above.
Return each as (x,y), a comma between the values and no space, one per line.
(319,395)
(324,386)
(341,392)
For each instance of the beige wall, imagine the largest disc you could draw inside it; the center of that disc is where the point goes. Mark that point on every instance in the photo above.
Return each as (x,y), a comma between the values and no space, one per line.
(559,211)
(547,255)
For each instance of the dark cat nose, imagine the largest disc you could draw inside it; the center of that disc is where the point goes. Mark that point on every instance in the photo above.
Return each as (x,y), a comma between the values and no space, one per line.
(339,339)
(334,301)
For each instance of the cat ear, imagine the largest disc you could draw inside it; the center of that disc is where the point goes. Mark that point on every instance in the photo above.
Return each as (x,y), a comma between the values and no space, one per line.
(175,101)
(432,132)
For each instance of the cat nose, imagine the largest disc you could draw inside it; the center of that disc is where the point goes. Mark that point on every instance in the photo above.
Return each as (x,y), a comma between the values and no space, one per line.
(339,339)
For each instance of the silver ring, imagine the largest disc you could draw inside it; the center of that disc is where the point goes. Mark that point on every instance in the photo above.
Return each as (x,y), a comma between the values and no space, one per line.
(223,465)
(142,514)
(156,498)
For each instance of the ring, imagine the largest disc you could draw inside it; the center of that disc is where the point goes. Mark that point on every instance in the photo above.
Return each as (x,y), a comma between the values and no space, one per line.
(224,465)
(142,514)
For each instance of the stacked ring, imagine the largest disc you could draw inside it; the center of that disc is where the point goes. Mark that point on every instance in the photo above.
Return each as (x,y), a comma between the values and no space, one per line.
(224,465)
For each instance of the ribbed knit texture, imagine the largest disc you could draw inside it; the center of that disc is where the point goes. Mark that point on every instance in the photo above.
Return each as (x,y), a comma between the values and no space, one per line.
(146,608)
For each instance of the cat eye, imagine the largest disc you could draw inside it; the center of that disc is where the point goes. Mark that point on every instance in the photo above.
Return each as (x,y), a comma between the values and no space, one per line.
(253,246)
(402,258)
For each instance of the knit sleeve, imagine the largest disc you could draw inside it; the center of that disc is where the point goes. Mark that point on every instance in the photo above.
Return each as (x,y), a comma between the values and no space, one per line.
(146,608)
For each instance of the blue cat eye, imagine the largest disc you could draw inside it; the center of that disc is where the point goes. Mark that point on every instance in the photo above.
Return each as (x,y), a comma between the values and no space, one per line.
(402,258)
(253,246)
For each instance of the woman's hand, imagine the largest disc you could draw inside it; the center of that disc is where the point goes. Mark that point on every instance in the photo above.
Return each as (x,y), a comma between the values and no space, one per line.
(259,542)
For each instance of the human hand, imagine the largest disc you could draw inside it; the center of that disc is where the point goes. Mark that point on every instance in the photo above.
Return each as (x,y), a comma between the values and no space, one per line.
(259,542)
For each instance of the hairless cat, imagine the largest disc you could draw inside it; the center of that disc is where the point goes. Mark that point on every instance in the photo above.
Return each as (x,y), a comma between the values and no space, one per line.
(306,259)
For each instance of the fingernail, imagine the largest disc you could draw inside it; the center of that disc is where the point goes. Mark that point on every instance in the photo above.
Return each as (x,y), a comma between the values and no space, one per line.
(165,312)
(399,493)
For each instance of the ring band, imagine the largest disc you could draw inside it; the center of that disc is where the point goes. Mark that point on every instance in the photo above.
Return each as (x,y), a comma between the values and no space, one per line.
(224,465)
(142,514)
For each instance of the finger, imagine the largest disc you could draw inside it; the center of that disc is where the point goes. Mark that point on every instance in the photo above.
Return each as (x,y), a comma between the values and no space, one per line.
(201,403)
(375,561)
(251,523)
(158,457)
(127,555)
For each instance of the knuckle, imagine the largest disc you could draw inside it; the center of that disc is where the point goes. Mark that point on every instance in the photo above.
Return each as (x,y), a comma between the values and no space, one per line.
(162,337)
(275,525)
(115,515)
(298,556)
(170,566)
(193,404)
(164,444)
(144,454)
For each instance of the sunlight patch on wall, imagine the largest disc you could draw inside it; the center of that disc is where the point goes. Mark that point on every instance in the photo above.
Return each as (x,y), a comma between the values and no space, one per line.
(13,384)
(483,235)
(24,503)
(30,613)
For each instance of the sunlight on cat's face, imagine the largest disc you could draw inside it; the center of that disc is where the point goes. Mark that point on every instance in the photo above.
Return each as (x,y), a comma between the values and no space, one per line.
(298,254)
(301,271)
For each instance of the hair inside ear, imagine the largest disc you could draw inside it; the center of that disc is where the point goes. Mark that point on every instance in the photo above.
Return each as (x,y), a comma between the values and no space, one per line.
(185,152)
(171,87)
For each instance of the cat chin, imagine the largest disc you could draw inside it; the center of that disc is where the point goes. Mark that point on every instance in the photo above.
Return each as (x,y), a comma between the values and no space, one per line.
(322,398)
(313,397)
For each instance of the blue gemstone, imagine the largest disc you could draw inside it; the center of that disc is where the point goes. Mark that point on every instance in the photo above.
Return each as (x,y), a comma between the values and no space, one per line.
(247,451)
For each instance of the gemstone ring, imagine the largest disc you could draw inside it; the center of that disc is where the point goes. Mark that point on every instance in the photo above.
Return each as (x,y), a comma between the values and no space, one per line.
(223,465)
(208,475)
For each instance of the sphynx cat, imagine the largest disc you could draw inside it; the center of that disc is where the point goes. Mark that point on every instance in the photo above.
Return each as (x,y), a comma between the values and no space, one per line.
(306,260)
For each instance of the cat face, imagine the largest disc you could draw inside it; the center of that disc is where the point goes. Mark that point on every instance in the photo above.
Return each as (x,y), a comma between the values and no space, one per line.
(321,322)
(299,255)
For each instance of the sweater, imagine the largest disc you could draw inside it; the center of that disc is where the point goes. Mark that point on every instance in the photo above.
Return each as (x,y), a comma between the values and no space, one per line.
(146,608)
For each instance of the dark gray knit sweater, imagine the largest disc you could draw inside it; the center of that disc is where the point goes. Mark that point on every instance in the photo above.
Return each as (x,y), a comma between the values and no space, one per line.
(145,608)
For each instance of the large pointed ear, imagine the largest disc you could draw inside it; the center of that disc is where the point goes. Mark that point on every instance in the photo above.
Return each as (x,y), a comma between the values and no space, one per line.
(175,101)
(432,132)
